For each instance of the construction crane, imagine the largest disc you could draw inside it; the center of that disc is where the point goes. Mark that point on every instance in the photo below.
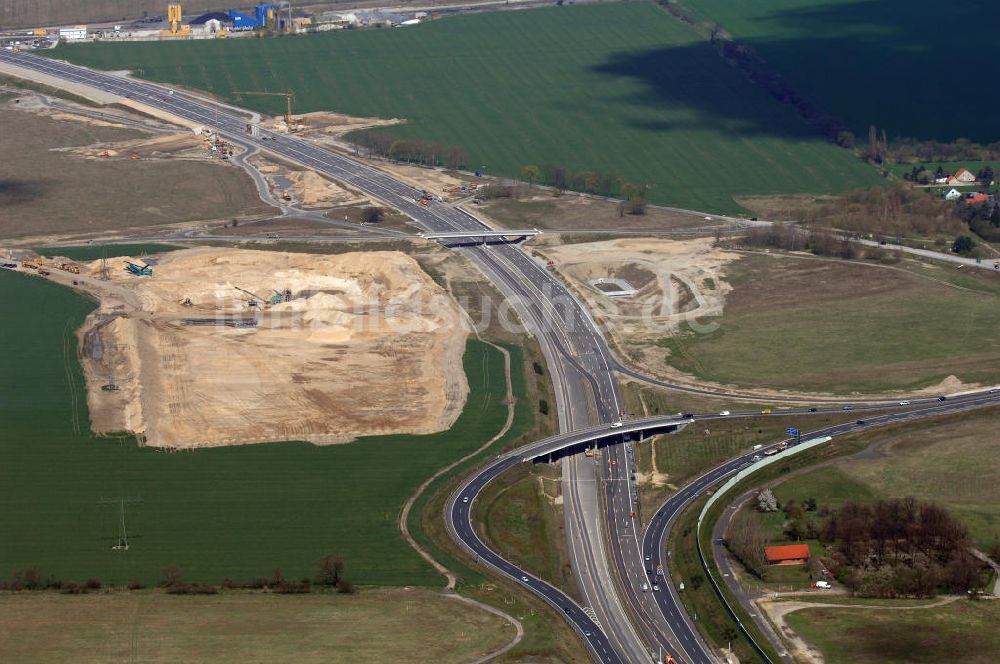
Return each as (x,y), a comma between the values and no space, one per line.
(289,96)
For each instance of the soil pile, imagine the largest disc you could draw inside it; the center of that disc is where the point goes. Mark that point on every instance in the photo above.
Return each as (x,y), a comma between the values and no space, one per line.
(224,347)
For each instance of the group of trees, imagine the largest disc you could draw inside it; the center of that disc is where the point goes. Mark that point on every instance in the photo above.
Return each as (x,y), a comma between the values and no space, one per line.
(425,153)
(878,146)
(900,548)
(32,578)
(371,214)
(747,540)
(912,151)
(898,211)
(789,237)
(983,219)
(330,573)
(591,182)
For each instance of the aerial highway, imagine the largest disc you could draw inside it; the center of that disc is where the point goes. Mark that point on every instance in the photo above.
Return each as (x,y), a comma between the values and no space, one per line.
(619,622)
(658,529)
(578,359)
(689,645)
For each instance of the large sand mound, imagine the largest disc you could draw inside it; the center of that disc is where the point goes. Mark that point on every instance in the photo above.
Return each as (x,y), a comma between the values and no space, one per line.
(366,344)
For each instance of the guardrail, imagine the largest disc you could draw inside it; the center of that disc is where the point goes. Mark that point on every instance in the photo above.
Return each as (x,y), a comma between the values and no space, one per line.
(729,484)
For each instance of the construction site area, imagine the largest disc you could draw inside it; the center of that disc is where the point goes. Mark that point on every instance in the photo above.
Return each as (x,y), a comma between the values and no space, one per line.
(210,347)
(642,290)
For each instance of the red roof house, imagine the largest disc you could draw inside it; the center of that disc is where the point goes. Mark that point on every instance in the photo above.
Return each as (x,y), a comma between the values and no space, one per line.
(789,554)
(976,199)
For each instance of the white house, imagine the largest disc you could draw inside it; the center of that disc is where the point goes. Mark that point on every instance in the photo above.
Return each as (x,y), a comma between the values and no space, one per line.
(952,194)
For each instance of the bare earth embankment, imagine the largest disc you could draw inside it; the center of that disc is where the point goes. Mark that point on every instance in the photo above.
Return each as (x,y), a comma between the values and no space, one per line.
(365,344)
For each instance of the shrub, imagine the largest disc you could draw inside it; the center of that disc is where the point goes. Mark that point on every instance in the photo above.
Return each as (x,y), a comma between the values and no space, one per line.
(346,586)
(135,584)
(192,589)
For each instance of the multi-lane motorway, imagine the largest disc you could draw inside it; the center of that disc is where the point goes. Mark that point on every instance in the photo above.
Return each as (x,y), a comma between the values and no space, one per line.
(577,357)
(620,622)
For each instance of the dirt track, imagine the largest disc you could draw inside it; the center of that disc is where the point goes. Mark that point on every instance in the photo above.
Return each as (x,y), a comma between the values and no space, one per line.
(367,344)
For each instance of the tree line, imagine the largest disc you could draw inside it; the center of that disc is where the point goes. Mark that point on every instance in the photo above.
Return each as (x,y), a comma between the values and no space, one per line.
(789,237)
(330,574)
(416,151)
(905,150)
(912,151)
(591,182)
(920,174)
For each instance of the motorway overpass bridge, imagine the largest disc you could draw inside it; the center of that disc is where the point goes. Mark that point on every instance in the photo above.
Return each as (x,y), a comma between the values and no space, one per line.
(477,236)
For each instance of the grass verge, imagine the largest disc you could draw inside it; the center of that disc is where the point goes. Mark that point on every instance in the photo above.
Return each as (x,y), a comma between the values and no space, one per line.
(962,632)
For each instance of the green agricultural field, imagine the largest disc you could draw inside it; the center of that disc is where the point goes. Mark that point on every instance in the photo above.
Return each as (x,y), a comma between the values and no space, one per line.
(891,63)
(834,326)
(94,251)
(962,632)
(621,88)
(944,463)
(370,627)
(235,512)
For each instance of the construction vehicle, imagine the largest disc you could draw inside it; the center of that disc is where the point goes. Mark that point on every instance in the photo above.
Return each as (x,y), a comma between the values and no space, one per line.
(177,28)
(69,267)
(285,196)
(256,298)
(30,264)
(43,272)
(289,96)
(589,452)
(139,270)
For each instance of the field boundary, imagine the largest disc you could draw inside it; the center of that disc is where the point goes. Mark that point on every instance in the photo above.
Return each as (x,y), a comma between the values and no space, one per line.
(404,516)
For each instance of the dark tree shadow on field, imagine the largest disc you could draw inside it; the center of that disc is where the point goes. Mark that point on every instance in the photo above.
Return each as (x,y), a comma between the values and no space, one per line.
(695,84)
(910,67)
(15,192)
(913,67)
